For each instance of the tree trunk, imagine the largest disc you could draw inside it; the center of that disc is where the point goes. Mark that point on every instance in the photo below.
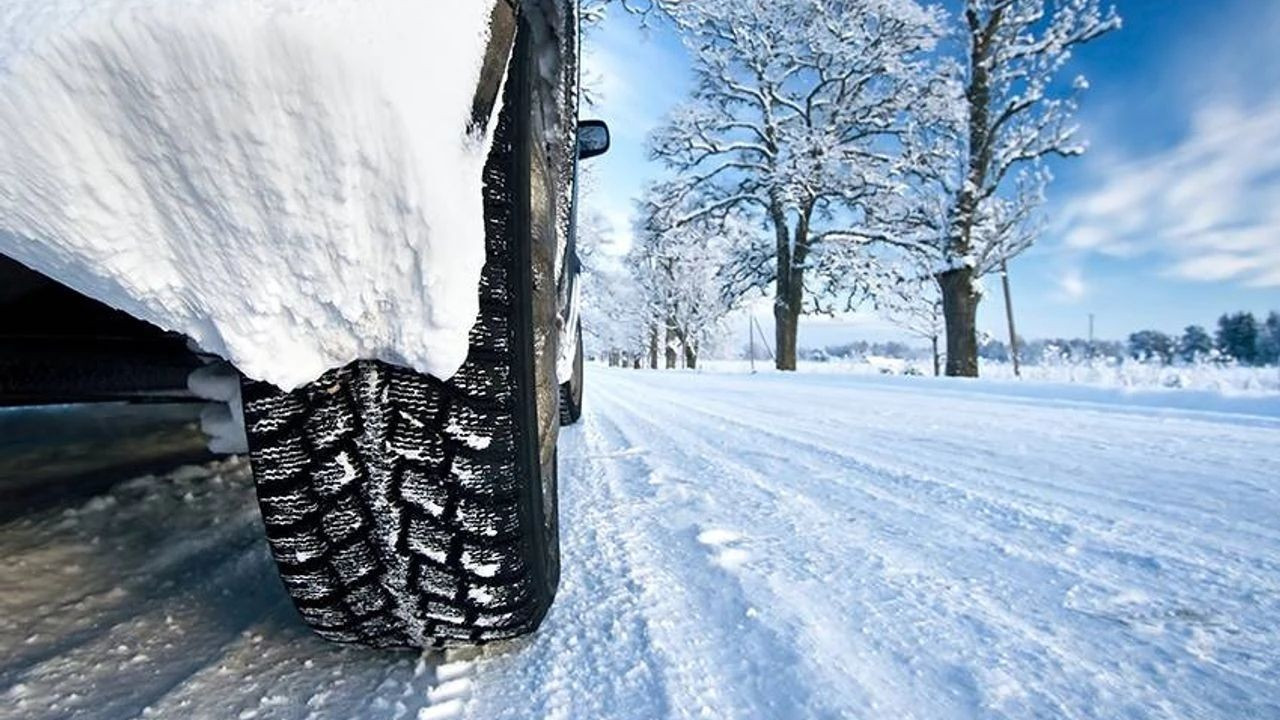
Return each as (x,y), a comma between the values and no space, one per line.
(959,300)
(690,356)
(937,359)
(784,329)
(960,309)
(789,298)
(786,324)
(670,345)
(653,346)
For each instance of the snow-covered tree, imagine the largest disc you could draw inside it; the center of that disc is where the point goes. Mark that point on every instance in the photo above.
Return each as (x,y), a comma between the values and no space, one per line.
(1195,344)
(908,296)
(1152,345)
(1014,112)
(1237,337)
(1269,340)
(596,10)
(795,123)
(613,310)
(679,268)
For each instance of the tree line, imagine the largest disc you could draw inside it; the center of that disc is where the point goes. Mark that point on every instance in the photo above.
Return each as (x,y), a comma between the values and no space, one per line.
(846,154)
(1240,338)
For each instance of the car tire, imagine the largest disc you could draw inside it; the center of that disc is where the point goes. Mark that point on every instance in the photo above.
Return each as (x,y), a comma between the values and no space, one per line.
(408,511)
(571,392)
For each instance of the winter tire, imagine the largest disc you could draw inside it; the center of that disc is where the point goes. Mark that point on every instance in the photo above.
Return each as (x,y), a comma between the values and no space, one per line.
(571,392)
(404,510)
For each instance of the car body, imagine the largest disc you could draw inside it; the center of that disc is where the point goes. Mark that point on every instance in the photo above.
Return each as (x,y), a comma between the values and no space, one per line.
(337,473)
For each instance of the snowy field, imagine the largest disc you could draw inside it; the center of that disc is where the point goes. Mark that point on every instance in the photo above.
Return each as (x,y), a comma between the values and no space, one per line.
(1126,377)
(734,546)
(1231,380)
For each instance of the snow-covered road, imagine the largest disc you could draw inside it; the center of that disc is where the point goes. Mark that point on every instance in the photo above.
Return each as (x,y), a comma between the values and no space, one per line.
(734,546)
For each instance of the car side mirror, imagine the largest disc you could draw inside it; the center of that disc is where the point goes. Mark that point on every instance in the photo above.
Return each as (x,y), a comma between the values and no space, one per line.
(593,138)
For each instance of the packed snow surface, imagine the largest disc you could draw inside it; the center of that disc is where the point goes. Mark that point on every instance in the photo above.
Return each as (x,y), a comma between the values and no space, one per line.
(734,546)
(291,183)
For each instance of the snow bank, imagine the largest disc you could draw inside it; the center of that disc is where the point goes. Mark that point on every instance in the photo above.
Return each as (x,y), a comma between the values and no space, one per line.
(1232,391)
(290,183)
(1132,374)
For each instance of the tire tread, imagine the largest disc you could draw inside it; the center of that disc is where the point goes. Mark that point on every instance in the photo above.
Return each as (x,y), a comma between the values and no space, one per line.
(393,501)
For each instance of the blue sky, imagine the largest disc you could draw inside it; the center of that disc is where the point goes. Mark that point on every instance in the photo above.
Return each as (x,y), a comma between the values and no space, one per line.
(1172,217)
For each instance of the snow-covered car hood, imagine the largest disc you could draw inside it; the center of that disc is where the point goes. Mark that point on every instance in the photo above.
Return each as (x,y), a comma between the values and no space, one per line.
(290,183)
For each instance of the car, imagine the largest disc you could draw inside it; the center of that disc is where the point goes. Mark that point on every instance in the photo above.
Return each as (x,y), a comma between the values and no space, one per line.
(403,509)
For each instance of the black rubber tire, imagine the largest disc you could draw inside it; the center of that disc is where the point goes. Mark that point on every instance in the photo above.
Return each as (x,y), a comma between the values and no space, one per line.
(406,511)
(571,392)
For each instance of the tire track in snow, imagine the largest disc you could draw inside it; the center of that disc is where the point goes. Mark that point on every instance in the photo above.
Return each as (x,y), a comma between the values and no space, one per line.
(1165,549)
(658,406)
(954,453)
(283,672)
(594,656)
(1214,575)
(923,472)
(834,649)
(720,658)
(903,590)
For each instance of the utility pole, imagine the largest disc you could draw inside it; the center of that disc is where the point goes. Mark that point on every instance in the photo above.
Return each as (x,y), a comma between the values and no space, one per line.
(1008,311)
(1092,353)
(763,339)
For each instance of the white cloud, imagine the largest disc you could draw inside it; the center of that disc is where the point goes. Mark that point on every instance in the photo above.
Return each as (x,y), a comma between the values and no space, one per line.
(1218,266)
(1209,206)
(1071,285)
